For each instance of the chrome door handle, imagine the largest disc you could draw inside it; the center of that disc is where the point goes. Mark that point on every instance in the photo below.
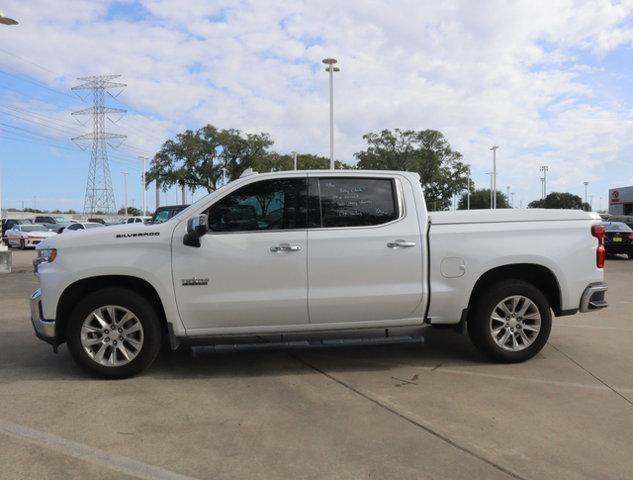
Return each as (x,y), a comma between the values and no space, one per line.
(285,247)
(400,244)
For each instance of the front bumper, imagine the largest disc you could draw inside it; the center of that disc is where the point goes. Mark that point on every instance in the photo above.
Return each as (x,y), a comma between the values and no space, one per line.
(594,297)
(44,329)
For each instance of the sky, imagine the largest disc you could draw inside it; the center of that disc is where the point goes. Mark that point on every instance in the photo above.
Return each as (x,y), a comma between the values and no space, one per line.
(549,82)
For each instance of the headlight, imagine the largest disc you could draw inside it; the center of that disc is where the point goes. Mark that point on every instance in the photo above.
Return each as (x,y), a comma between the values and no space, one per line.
(45,255)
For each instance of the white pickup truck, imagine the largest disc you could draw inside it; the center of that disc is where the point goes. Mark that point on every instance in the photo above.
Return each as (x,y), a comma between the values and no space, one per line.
(315,256)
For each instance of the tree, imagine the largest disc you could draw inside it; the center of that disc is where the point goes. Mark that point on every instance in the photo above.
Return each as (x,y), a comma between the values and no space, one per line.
(277,162)
(426,152)
(198,159)
(561,200)
(480,200)
(131,211)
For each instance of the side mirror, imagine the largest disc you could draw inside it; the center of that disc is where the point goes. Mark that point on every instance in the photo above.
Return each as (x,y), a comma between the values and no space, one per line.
(196,227)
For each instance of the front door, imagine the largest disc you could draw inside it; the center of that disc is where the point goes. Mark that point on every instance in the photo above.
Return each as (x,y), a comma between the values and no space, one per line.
(250,270)
(365,258)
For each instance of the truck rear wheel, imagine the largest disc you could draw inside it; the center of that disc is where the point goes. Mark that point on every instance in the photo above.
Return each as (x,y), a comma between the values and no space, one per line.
(114,333)
(511,322)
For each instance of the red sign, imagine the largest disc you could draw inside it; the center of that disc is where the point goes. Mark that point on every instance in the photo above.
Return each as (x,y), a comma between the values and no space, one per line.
(615,196)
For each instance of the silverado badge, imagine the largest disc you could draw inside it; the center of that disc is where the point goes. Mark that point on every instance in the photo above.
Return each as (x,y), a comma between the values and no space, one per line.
(189,282)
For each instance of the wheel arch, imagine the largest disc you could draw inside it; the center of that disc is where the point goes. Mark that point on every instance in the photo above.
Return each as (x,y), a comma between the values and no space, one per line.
(79,289)
(538,275)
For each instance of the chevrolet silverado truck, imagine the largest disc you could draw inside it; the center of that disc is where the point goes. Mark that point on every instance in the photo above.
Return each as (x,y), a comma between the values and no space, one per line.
(315,256)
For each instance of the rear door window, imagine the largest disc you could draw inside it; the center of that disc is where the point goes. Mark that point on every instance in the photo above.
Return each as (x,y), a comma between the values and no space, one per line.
(337,202)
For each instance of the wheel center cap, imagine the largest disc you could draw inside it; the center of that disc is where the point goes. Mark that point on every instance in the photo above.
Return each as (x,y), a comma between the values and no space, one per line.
(512,323)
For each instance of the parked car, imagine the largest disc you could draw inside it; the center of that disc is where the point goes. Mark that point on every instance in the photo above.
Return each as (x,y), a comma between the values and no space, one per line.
(627,219)
(78,226)
(55,224)
(353,254)
(162,214)
(139,219)
(98,220)
(27,235)
(8,223)
(619,238)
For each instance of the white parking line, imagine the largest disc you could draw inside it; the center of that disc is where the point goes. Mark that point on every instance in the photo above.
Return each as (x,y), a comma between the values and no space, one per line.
(108,460)
(595,327)
(532,380)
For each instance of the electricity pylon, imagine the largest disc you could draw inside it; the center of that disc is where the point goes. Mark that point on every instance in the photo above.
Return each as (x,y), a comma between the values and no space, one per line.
(99,194)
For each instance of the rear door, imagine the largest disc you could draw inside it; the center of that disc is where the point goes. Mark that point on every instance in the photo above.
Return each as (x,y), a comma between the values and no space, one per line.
(365,257)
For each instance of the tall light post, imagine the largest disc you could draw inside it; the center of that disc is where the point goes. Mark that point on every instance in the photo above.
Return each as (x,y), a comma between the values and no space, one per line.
(494,175)
(512,202)
(544,169)
(144,188)
(491,174)
(125,190)
(4,21)
(294,159)
(591,202)
(586,184)
(331,69)
(508,194)
(468,191)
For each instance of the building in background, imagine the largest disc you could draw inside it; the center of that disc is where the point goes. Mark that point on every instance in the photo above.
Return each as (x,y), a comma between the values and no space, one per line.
(621,201)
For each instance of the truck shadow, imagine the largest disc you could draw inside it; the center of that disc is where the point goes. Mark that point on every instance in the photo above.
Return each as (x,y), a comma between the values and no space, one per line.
(440,347)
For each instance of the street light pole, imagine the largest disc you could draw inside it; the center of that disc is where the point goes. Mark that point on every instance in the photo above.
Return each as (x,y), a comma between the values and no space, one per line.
(125,190)
(4,21)
(331,69)
(544,169)
(494,176)
(294,159)
(490,173)
(586,184)
(144,188)
(468,191)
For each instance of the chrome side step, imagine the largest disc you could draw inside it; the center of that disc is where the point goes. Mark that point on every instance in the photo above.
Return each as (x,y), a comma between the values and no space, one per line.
(309,344)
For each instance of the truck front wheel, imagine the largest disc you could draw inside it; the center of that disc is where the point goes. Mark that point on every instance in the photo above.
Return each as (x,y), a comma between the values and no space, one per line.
(510,322)
(114,333)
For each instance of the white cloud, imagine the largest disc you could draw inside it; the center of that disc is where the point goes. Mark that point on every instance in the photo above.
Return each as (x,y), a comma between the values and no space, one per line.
(513,73)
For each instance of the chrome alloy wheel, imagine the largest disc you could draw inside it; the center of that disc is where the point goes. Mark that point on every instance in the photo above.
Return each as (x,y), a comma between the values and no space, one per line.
(515,323)
(112,335)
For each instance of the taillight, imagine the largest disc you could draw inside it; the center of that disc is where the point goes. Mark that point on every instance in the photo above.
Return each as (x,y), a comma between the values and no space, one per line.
(630,237)
(598,232)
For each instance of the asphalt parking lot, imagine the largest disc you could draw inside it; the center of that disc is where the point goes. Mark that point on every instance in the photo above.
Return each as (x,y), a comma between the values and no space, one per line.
(407,412)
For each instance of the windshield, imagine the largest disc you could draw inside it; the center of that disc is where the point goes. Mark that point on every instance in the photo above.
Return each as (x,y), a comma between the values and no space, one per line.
(60,219)
(617,227)
(34,228)
(184,213)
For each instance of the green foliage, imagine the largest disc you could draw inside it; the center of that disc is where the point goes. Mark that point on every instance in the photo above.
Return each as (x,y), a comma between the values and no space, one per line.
(561,200)
(131,212)
(480,200)
(197,159)
(427,152)
(277,162)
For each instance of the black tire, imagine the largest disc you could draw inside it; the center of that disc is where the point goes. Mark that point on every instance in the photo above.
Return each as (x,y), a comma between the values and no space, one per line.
(479,327)
(630,255)
(135,303)
(22,244)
